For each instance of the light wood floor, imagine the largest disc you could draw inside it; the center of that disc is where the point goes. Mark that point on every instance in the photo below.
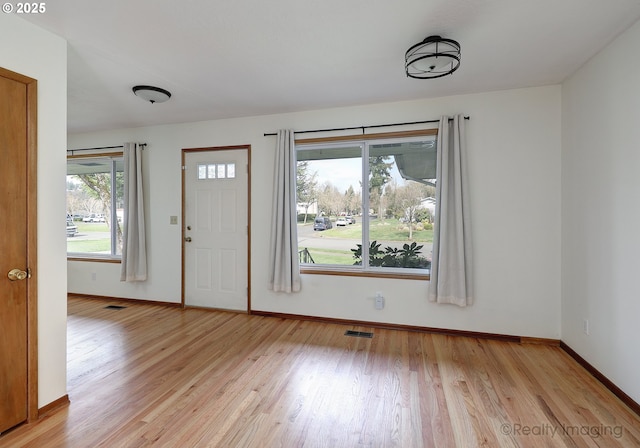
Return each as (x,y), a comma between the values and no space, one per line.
(150,375)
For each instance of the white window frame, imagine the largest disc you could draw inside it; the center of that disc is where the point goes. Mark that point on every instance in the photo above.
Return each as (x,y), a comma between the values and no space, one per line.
(113,256)
(366,141)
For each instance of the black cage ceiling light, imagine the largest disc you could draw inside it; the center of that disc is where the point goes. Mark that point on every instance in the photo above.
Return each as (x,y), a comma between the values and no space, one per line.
(434,57)
(152,94)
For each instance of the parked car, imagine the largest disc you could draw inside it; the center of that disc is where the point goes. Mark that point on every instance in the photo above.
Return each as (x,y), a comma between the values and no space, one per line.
(341,221)
(350,219)
(72,229)
(94,217)
(322,223)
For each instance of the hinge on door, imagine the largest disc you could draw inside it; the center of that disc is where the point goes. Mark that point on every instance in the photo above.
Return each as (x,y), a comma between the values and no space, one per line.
(28,272)
(183,167)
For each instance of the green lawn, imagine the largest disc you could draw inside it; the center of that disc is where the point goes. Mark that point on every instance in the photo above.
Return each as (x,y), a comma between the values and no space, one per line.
(88,246)
(379,230)
(98,245)
(331,256)
(88,227)
(383,231)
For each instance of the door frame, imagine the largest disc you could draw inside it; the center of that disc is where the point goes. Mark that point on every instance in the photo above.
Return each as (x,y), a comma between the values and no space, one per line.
(32,238)
(186,151)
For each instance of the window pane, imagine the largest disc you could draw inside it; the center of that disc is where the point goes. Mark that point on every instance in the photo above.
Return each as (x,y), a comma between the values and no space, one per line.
(329,203)
(231,170)
(220,173)
(211,173)
(118,229)
(401,179)
(90,202)
(202,171)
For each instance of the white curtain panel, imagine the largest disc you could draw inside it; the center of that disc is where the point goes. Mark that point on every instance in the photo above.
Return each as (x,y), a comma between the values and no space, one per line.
(284,275)
(134,252)
(451,264)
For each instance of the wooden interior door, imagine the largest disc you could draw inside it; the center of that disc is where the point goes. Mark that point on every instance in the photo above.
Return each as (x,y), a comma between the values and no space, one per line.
(17,289)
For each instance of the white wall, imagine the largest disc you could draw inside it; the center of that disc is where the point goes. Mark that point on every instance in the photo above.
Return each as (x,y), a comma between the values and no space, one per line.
(514,151)
(601,211)
(33,52)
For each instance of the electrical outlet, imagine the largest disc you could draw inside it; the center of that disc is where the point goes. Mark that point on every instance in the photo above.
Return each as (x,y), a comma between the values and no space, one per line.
(585,326)
(173,220)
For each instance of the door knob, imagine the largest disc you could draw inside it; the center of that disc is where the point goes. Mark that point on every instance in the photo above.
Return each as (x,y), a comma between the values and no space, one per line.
(188,239)
(17,274)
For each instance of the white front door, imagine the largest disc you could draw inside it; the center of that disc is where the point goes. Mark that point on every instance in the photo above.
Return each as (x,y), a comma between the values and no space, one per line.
(215,228)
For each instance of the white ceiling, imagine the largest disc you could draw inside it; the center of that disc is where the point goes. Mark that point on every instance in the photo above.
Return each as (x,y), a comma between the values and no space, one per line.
(233,58)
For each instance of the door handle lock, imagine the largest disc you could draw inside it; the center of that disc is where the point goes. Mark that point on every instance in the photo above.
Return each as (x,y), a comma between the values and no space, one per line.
(18,274)
(187,239)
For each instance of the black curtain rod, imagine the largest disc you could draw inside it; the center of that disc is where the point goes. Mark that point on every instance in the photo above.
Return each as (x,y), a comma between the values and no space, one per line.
(362,127)
(101,147)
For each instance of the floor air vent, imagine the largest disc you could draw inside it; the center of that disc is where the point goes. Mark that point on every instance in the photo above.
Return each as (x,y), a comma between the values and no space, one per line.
(358,334)
(114,307)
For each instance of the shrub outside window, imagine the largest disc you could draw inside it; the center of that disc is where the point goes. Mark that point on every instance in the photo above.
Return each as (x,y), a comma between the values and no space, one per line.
(366,206)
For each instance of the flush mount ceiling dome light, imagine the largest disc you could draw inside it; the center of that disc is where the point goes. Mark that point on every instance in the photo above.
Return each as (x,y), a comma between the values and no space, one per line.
(152,94)
(434,57)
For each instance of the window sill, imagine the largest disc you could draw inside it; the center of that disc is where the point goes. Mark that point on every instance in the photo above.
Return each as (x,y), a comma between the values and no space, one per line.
(93,259)
(361,273)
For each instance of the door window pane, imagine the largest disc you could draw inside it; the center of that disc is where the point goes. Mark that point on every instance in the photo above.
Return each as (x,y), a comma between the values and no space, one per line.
(216,171)
(202,171)
(231,170)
